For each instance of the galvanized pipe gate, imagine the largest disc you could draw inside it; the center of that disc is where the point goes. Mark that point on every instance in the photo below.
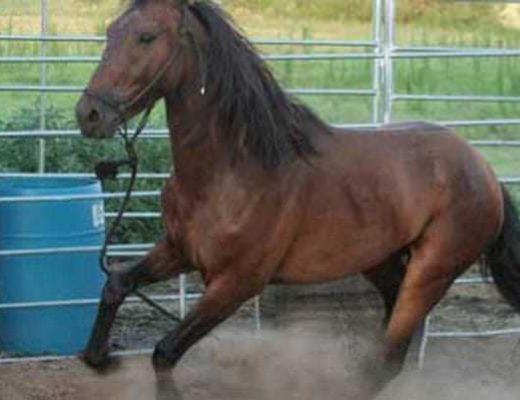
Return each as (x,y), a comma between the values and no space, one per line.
(382,49)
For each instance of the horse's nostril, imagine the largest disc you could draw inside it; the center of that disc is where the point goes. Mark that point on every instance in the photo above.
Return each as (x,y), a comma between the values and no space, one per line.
(94,116)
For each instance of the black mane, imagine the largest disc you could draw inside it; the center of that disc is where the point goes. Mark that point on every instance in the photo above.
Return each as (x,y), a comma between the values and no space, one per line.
(255,110)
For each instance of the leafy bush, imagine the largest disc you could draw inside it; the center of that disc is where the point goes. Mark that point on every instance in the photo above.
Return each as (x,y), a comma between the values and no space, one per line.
(77,155)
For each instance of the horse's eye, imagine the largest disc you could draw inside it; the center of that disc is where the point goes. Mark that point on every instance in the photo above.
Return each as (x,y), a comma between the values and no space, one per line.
(147,38)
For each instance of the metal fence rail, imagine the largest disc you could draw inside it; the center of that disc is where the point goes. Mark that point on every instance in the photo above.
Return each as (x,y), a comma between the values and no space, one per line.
(381,50)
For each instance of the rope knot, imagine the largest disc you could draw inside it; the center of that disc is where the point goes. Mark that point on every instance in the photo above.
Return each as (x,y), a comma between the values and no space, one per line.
(107,170)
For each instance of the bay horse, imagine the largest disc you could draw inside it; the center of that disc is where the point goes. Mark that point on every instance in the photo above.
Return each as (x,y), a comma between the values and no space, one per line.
(264,191)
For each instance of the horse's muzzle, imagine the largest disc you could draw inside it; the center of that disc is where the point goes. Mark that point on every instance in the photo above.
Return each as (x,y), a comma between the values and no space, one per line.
(96,119)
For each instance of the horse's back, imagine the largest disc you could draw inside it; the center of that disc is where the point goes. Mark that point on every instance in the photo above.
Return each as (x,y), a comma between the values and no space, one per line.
(422,158)
(408,126)
(412,126)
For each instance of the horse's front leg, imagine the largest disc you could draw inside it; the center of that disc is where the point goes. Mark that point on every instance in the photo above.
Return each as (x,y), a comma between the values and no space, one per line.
(224,295)
(160,264)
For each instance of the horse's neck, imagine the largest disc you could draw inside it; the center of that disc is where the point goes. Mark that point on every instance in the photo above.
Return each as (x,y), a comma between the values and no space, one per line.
(207,167)
(200,155)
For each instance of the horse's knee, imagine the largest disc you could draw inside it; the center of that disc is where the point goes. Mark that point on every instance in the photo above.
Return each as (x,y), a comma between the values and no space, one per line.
(117,288)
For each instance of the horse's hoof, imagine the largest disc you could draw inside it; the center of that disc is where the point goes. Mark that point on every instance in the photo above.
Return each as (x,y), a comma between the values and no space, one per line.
(95,360)
(101,362)
(161,362)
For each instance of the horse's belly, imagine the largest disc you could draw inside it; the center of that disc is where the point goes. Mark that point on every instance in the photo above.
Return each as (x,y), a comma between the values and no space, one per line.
(319,261)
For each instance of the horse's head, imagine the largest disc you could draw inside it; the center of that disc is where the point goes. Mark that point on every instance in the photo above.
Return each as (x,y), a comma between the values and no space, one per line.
(144,47)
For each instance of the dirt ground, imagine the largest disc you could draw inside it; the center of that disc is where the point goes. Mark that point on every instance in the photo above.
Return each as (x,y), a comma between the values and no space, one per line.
(266,369)
(310,347)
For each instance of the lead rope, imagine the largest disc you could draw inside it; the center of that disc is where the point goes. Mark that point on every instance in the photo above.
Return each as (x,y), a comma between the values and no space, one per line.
(109,170)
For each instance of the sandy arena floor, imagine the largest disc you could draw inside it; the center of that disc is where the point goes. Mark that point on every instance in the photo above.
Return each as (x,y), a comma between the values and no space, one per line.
(309,349)
(267,368)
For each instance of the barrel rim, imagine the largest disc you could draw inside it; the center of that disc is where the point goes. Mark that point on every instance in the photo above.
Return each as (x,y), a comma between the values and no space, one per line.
(23,186)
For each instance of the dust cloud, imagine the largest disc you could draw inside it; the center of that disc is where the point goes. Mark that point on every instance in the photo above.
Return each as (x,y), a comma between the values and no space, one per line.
(310,348)
(276,366)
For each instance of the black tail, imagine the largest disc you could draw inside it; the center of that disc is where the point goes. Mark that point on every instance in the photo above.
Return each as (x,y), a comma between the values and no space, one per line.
(503,258)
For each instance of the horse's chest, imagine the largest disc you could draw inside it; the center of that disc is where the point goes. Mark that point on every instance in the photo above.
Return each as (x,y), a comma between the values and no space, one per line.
(208,238)
(213,232)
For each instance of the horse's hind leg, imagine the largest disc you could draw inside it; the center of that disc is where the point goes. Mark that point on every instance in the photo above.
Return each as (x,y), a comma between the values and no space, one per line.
(436,260)
(160,264)
(387,279)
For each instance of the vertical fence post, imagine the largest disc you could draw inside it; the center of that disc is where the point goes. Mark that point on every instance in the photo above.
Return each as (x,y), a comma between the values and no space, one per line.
(43,81)
(388,50)
(378,63)
(424,343)
(182,296)
(258,314)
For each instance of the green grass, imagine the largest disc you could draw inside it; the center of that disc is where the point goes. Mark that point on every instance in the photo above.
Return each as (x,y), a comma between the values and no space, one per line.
(466,27)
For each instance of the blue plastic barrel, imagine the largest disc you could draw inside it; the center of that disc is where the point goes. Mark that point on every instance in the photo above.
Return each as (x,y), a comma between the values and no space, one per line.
(60,282)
